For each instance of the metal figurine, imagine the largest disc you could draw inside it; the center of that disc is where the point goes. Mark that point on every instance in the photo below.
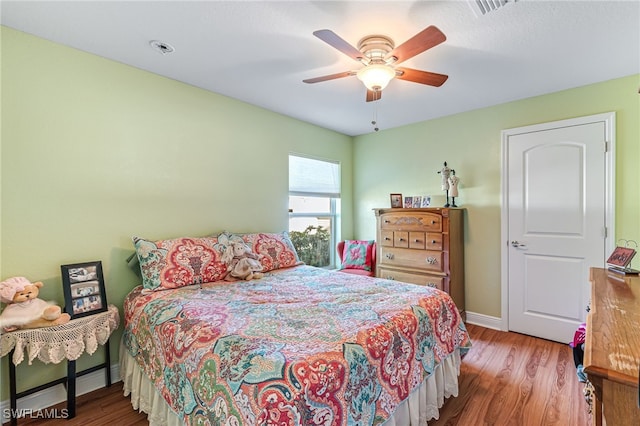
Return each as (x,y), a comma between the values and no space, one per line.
(446,173)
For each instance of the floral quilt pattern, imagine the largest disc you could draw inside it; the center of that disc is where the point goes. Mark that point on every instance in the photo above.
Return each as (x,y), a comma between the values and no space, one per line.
(301,346)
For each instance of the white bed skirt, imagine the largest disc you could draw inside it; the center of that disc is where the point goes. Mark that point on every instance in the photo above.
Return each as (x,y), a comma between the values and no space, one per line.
(421,406)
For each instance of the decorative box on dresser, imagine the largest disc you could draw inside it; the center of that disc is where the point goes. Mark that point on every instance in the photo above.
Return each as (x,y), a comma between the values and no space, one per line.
(423,246)
(612,347)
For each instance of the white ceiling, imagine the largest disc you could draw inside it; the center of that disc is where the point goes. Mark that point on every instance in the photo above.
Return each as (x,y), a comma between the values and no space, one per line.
(260,51)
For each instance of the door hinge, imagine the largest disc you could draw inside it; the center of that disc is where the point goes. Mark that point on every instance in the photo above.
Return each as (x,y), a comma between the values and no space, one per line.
(605,232)
(606,146)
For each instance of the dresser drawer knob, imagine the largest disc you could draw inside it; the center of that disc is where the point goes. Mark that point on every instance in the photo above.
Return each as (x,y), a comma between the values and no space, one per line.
(433,241)
(416,240)
(433,222)
(387,221)
(401,239)
(432,260)
(389,256)
(432,285)
(387,239)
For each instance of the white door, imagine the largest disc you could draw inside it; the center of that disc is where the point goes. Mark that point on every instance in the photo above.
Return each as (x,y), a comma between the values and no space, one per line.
(556,200)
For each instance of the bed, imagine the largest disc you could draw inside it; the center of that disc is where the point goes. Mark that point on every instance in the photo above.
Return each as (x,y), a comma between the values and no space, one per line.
(299,346)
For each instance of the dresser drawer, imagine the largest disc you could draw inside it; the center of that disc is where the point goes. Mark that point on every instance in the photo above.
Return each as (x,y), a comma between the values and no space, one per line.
(429,260)
(414,240)
(386,238)
(401,239)
(417,240)
(417,221)
(407,277)
(433,241)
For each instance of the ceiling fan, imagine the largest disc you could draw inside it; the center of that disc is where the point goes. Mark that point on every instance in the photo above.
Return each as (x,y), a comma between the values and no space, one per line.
(379,55)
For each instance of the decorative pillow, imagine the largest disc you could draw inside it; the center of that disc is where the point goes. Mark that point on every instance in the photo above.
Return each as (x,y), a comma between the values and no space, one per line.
(276,250)
(357,254)
(134,263)
(179,262)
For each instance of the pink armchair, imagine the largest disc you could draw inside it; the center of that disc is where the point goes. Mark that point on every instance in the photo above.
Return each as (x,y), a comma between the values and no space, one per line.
(371,273)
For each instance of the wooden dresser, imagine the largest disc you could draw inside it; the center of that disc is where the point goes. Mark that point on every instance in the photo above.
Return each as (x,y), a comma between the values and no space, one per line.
(423,246)
(612,347)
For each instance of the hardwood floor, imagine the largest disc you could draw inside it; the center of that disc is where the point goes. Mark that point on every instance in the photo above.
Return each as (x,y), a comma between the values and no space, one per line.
(106,406)
(505,379)
(514,379)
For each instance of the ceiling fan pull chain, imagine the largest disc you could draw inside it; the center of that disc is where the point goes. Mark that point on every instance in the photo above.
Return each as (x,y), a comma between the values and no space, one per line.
(375,118)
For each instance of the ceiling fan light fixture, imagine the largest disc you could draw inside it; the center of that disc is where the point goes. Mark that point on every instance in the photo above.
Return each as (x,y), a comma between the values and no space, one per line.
(376,77)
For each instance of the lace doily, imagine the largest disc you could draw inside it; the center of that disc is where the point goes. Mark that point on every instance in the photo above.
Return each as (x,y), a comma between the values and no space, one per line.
(70,340)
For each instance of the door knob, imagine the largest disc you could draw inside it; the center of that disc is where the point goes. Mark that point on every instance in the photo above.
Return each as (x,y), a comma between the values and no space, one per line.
(516,243)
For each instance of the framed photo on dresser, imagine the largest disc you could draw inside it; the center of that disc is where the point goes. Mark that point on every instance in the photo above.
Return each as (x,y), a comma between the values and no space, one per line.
(396,201)
(620,260)
(83,286)
(621,257)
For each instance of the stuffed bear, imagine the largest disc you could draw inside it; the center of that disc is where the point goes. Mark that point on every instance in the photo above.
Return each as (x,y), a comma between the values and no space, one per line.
(242,263)
(24,309)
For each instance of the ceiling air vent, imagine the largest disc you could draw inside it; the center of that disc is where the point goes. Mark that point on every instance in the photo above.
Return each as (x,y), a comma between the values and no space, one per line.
(482,7)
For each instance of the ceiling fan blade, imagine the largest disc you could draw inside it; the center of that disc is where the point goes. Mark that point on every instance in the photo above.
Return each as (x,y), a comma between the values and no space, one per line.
(374,95)
(422,77)
(328,77)
(337,42)
(425,39)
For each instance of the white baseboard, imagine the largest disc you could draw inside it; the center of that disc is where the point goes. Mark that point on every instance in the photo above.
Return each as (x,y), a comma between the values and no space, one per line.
(57,394)
(482,320)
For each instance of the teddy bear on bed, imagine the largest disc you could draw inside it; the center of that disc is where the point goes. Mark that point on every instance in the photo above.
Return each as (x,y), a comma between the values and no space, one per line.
(24,309)
(243,264)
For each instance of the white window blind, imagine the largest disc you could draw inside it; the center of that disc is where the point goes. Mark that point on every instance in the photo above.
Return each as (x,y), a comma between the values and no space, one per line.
(310,177)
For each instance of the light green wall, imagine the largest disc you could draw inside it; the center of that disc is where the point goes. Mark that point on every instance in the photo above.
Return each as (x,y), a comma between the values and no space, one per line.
(407,159)
(94,152)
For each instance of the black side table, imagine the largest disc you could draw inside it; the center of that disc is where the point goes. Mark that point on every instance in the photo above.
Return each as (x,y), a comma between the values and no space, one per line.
(55,344)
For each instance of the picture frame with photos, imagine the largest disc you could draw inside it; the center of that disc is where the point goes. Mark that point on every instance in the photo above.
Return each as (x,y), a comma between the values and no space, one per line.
(396,201)
(408,202)
(84,289)
(621,257)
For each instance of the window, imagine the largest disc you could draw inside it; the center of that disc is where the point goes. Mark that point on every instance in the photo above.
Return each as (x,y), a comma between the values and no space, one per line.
(314,206)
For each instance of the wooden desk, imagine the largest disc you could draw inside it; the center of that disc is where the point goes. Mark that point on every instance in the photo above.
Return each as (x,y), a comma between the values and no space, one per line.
(612,347)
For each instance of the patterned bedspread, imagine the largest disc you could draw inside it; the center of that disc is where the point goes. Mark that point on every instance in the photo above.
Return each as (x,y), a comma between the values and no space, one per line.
(301,346)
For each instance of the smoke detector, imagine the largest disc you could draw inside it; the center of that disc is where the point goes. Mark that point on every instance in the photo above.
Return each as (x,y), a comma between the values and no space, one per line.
(161,47)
